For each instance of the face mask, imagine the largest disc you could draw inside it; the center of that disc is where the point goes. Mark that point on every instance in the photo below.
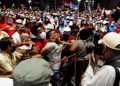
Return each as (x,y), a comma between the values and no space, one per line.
(112,24)
(10,22)
(62,24)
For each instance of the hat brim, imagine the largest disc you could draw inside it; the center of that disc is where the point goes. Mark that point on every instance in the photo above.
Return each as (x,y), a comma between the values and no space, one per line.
(107,44)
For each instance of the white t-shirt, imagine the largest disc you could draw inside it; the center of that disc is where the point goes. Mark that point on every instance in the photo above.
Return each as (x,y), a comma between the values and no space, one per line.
(55,54)
(104,77)
(25,47)
(16,37)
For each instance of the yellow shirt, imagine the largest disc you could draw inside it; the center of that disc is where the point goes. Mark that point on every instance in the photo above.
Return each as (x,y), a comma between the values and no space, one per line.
(7,63)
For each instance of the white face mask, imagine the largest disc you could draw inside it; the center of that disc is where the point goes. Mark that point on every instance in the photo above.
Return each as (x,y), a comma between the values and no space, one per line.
(42,35)
(112,24)
(10,22)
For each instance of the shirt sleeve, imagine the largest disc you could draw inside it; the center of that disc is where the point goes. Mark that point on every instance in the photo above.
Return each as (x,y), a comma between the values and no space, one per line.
(15,41)
(50,46)
(104,77)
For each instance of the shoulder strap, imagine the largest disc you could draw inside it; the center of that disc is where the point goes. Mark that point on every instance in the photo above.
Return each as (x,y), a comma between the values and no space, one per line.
(117,78)
(83,49)
(115,65)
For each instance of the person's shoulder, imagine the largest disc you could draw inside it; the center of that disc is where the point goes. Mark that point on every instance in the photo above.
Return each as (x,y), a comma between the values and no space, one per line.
(4,57)
(80,42)
(108,69)
(14,33)
(51,43)
(3,32)
(1,56)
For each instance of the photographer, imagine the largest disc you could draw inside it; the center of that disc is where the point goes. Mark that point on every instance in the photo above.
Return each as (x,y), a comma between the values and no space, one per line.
(108,75)
(80,47)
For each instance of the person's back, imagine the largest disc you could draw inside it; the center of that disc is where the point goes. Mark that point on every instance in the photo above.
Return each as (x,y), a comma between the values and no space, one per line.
(37,72)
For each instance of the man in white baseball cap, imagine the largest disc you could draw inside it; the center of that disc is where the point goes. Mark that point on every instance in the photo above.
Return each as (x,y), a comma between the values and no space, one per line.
(67,34)
(19,21)
(109,74)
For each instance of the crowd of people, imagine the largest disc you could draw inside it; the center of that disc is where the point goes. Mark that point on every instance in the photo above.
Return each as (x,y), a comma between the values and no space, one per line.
(59,48)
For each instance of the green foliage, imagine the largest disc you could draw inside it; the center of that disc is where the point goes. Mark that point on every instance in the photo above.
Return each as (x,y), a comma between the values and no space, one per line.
(36,8)
(42,7)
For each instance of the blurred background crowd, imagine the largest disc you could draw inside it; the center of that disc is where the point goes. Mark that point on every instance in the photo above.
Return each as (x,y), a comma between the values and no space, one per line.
(55,47)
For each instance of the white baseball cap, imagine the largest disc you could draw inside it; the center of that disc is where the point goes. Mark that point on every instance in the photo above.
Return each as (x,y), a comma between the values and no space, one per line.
(112,40)
(67,29)
(19,21)
(50,26)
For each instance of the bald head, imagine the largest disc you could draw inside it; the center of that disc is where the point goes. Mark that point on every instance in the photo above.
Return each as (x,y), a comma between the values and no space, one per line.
(25,37)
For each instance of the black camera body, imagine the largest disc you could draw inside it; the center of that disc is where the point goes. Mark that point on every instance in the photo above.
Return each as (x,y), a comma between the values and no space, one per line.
(97,48)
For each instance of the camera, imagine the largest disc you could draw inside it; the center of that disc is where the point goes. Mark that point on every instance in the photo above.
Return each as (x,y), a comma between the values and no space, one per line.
(97,48)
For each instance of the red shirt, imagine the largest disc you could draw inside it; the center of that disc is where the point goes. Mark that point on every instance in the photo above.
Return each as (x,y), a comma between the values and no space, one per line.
(40,44)
(71,37)
(117,30)
(10,31)
(3,26)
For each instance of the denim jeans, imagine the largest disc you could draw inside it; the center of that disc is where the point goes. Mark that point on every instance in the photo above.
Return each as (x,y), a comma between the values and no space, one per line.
(56,77)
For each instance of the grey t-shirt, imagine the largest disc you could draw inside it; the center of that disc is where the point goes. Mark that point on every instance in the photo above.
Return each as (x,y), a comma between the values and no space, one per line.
(32,72)
(55,54)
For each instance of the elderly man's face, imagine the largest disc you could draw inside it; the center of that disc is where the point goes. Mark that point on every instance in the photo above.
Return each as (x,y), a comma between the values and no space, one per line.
(10,20)
(20,29)
(25,37)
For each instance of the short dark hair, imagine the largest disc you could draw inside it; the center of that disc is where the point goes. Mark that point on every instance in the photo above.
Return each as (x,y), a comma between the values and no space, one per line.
(84,34)
(48,34)
(34,29)
(5,43)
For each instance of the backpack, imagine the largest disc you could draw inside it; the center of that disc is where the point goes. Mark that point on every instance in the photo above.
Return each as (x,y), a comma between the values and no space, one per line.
(115,65)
